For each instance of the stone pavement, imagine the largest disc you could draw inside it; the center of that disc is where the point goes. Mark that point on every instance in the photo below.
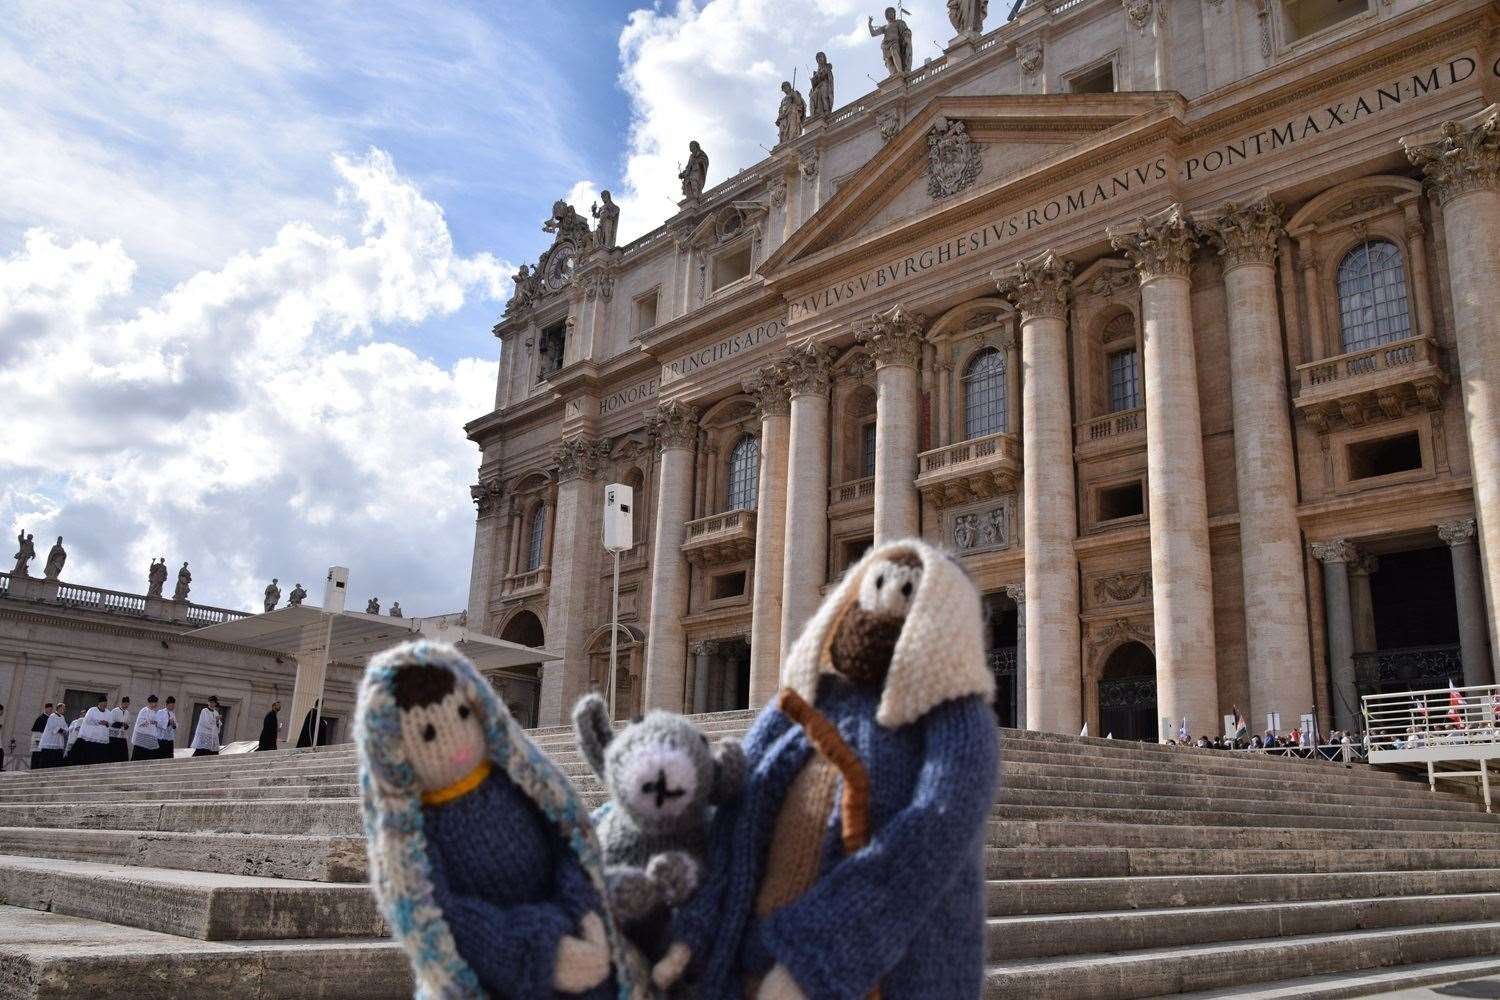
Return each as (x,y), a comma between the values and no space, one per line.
(1117,871)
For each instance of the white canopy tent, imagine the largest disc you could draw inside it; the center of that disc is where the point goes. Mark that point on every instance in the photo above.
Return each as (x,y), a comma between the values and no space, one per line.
(315,637)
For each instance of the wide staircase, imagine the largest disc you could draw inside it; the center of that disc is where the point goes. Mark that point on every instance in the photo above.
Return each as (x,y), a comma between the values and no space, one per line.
(1116,871)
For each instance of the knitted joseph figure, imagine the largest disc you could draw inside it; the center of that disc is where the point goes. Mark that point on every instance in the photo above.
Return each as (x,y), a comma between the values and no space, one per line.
(481,853)
(894,660)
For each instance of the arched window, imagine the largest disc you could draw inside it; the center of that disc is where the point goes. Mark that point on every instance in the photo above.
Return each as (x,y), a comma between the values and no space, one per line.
(984,394)
(744,474)
(1372,296)
(537,532)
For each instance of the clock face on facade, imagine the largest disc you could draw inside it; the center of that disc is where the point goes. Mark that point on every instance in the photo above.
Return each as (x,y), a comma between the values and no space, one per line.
(560,266)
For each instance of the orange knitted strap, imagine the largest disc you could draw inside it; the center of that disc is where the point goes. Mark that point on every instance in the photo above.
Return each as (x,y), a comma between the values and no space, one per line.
(825,738)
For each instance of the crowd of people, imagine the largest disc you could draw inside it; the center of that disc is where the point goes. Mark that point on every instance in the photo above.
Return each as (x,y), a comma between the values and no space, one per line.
(102,735)
(1339,745)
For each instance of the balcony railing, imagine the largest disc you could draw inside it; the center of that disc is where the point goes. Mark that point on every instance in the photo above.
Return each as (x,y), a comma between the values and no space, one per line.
(94,599)
(114,602)
(531,581)
(720,538)
(1112,428)
(845,498)
(975,469)
(1411,667)
(1377,380)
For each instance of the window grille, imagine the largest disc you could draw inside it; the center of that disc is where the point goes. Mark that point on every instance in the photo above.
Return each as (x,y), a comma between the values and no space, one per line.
(985,394)
(538,533)
(744,474)
(867,450)
(1124,382)
(1372,296)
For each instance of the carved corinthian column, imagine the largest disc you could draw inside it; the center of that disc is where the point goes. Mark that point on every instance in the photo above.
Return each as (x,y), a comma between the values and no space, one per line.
(575,554)
(1468,593)
(773,398)
(1265,475)
(1161,248)
(1041,287)
(491,543)
(806,539)
(894,337)
(1462,162)
(675,427)
(1336,555)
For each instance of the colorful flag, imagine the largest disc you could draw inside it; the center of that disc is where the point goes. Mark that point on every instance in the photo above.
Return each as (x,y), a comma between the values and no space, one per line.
(1182,731)
(1240,726)
(1456,705)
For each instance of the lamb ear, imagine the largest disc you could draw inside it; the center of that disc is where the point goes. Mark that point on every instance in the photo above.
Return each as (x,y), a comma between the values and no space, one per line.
(591,725)
(729,772)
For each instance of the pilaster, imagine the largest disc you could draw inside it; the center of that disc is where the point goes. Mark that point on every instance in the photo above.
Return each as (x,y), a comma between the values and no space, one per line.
(1468,591)
(575,548)
(1336,555)
(772,395)
(894,338)
(806,369)
(675,428)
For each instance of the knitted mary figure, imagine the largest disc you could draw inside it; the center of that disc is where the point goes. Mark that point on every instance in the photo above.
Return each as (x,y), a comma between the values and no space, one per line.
(853,861)
(481,853)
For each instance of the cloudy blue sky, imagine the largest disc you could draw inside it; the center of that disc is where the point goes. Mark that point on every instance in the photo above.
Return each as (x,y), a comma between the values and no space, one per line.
(250,253)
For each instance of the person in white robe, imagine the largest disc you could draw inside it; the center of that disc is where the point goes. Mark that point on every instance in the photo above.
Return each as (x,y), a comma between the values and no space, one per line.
(166,729)
(206,734)
(54,739)
(119,731)
(92,745)
(143,743)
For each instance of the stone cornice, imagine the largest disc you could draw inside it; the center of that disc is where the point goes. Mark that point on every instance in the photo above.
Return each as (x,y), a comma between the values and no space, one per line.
(1040,286)
(1248,233)
(674,425)
(1460,156)
(894,337)
(132,632)
(1159,245)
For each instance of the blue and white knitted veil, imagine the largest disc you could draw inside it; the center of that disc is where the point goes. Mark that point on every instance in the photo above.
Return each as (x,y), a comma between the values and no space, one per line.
(393,822)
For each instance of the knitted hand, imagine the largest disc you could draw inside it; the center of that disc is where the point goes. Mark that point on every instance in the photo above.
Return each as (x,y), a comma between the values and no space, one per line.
(672,965)
(582,963)
(676,875)
(779,985)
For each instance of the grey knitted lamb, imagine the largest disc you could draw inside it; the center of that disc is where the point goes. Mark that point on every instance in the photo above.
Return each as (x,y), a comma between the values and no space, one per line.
(663,779)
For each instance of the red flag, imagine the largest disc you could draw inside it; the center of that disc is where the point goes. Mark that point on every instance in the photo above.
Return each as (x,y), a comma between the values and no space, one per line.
(1456,706)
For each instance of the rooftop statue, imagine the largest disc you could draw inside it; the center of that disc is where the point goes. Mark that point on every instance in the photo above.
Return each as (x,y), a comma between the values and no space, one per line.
(608,215)
(396,610)
(297,596)
(695,174)
(273,595)
(184,580)
(156,576)
(968,15)
(791,114)
(55,559)
(821,94)
(895,43)
(25,552)
(372,606)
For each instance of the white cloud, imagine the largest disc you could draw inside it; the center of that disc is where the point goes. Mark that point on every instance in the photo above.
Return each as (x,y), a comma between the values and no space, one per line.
(711,72)
(251,420)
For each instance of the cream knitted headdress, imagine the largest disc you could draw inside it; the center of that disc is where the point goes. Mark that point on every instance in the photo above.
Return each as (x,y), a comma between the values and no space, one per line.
(939,656)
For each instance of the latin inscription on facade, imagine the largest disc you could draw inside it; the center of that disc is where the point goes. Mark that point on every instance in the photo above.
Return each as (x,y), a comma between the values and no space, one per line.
(640,393)
(1150,174)
(722,350)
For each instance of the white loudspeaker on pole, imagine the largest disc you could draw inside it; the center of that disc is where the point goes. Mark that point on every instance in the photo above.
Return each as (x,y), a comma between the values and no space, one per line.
(619,501)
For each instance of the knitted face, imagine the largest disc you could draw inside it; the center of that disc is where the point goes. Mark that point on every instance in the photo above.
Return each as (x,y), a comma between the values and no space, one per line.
(440,730)
(866,638)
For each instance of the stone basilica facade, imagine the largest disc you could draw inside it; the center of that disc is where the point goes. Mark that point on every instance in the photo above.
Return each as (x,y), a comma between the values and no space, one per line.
(1178,320)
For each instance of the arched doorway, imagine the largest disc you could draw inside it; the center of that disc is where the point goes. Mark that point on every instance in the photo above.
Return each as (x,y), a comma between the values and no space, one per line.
(630,649)
(521,687)
(1127,694)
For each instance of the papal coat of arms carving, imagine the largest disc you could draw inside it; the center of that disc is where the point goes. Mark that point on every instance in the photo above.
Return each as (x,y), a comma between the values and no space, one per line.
(952,158)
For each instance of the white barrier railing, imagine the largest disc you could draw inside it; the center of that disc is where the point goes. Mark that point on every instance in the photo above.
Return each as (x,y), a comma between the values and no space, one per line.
(1444,729)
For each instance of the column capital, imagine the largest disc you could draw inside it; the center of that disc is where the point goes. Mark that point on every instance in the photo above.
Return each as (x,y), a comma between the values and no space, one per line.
(1335,550)
(894,337)
(580,458)
(1040,286)
(674,425)
(488,500)
(1459,156)
(708,647)
(1365,565)
(807,369)
(1460,532)
(1016,592)
(1247,233)
(769,386)
(1159,245)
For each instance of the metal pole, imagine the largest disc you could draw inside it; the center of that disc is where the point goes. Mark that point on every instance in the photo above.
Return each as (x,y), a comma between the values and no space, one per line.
(614,635)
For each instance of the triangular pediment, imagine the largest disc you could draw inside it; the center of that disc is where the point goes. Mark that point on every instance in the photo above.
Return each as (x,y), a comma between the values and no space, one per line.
(1011,134)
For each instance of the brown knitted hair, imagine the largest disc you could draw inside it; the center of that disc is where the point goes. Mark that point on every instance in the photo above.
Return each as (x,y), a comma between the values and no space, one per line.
(417,684)
(864,643)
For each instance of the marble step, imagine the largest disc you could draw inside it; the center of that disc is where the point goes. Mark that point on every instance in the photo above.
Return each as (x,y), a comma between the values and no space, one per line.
(306,858)
(1231,965)
(1051,935)
(1099,831)
(1136,862)
(207,906)
(1364,983)
(1217,800)
(1371,819)
(1014,775)
(345,790)
(50,956)
(1022,897)
(271,816)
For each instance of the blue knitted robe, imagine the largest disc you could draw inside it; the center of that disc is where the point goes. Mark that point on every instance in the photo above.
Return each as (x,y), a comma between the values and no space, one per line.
(907,911)
(508,889)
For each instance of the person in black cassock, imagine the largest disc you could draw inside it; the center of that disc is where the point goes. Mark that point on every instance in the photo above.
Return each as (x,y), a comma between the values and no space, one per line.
(305,737)
(269,727)
(37,728)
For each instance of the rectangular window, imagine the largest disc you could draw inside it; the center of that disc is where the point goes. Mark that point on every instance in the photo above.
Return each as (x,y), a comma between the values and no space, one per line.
(731,266)
(1385,456)
(1125,500)
(1124,383)
(867,450)
(645,311)
(1308,17)
(550,350)
(727,585)
(1099,80)
(855,549)
(75,703)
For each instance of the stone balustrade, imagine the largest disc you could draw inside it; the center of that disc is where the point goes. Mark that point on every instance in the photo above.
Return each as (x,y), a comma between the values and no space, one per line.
(720,538)
(1124,428)
(1377,380)
(852,497)
(114,602)
(532,581)
(976,469)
